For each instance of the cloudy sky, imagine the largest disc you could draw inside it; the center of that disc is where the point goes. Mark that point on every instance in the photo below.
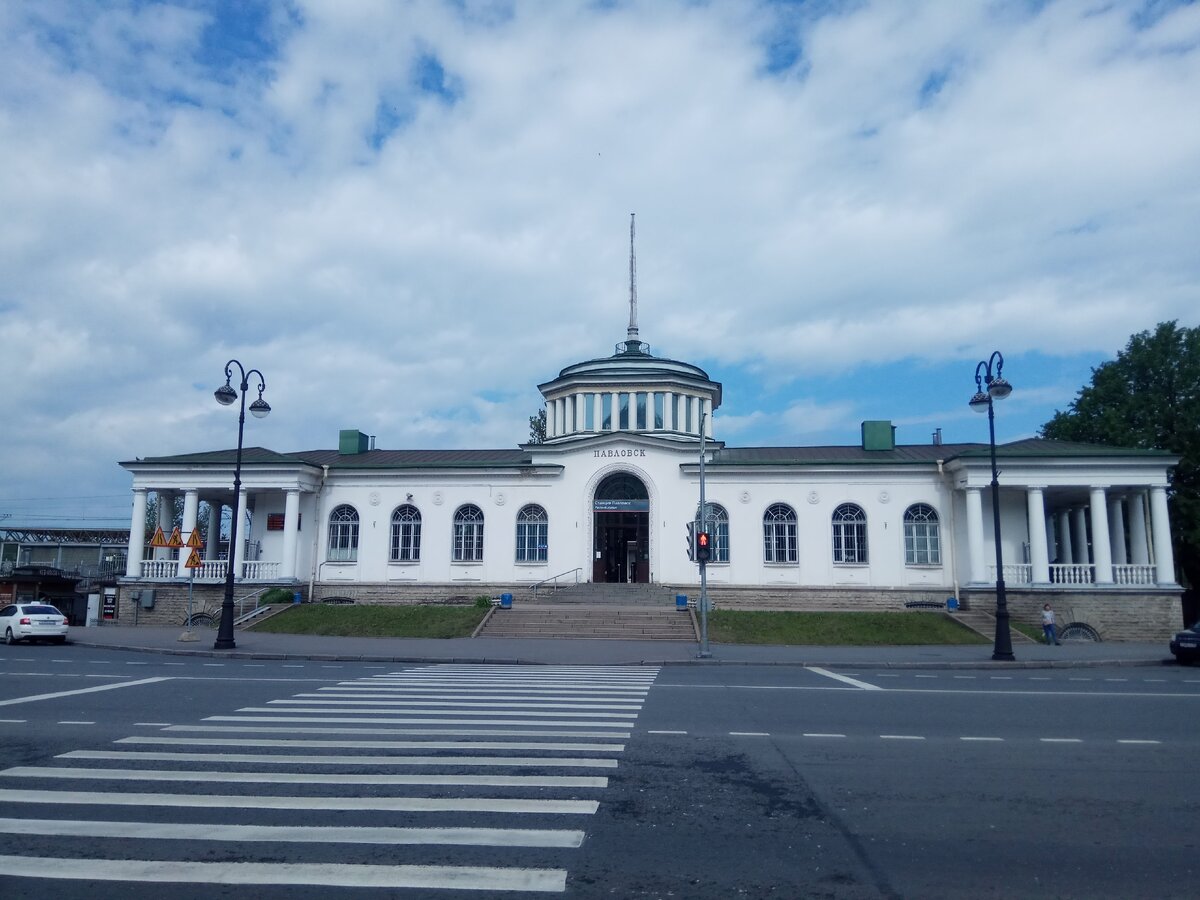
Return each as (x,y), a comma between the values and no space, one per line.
(407,214)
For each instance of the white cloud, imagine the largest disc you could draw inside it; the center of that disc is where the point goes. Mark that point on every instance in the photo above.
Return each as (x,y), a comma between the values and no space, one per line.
(927,181)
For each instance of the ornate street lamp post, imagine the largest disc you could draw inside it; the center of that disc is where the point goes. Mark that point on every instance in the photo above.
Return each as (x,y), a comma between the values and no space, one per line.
(259,408)
(989,387)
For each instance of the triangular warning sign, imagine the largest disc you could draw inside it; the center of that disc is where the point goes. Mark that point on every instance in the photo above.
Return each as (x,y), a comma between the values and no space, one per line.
(193,561)
(176,538)
(194,541)
(159,539)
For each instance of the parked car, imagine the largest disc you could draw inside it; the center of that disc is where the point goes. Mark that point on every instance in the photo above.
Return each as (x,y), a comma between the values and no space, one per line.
(32,622)
(1186,644)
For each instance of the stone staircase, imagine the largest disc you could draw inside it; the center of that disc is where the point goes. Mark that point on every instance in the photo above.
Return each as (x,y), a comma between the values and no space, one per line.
(601,594)
(599,612)
(985,624)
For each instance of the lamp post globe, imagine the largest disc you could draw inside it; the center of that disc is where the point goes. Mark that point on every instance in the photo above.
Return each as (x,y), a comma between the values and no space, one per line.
(991,386)
(226,395)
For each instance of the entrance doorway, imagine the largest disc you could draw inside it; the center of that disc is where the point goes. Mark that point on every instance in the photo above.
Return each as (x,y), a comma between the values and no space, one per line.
(621,528)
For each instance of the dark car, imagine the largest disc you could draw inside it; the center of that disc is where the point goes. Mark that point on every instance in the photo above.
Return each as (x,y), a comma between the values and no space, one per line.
(1186,644)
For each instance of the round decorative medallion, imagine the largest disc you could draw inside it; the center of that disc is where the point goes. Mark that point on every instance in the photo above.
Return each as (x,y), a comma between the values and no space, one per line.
(438,499)
(814,497)
(744,496)
(373,498)
(884,496)
(499,498)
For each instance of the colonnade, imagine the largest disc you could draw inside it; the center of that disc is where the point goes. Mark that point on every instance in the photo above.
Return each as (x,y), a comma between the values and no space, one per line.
(1117,537)
(596,411)
(138,538)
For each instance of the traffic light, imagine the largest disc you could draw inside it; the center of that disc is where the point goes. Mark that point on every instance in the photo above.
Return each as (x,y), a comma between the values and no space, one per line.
(703,549)
(691,527)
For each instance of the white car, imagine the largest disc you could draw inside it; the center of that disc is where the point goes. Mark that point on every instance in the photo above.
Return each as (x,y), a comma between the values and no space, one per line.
(32,622)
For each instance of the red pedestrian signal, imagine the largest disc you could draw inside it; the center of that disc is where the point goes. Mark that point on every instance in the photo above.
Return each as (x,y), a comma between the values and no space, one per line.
(703,548)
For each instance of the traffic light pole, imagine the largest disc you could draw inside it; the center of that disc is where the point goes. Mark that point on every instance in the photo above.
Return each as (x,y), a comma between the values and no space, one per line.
(704,653)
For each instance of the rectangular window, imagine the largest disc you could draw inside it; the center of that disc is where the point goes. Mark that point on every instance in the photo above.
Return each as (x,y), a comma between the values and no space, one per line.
(532,541)
(589,412)
(406,542)
(468,542)
(343,542)
(606,412)
(641,411)
(624,412)
(687,414)
(659,408)
(849,542)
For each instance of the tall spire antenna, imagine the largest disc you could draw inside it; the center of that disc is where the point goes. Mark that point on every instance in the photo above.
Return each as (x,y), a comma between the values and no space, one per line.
(633,326)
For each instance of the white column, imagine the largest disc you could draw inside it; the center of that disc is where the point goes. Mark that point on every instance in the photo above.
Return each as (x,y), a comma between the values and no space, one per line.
(214,531)
(291,534)
(238,552)
(580,407)
(975,536)
(614,411)
(669,411)
(1079,536)
(1066,553)
(707,406)
(597,412)
(166,520)
(1139,547)
(137,536)
(1116,530)
(695,415)
(631,401)
(1160,534)
(191,505)
(1101,547)
(1039,558)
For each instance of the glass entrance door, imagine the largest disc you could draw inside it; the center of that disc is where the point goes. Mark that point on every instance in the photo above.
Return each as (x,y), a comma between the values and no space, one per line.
(621,546)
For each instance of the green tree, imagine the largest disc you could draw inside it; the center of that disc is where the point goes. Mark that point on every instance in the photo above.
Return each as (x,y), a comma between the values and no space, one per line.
(537,427)
(1149,397)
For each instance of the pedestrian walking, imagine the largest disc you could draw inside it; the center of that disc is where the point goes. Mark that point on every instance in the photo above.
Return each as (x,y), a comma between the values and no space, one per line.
(1048,625)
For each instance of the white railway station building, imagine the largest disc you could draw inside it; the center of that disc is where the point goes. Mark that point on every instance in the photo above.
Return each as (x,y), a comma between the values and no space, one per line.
(608,495)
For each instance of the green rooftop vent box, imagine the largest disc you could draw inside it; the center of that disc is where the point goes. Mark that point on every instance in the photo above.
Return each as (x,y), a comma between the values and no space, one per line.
(878,434)
(351,441)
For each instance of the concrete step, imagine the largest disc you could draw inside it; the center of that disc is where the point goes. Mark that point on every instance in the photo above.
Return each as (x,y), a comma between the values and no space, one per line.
(614,622)
(985,624)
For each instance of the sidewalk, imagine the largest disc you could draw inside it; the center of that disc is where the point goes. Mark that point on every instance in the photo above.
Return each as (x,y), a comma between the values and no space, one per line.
(252,645)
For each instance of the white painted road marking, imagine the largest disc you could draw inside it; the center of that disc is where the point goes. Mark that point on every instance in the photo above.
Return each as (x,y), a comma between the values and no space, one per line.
(845,679)
(90,690)
(468,837)
(539,762)
(377,804)
(477,878)
(536,781)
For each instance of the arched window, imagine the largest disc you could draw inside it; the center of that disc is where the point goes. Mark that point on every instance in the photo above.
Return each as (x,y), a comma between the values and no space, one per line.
(343,534)
(468,534)
(532,534)
(406,534)
(849,534)
(922,536)
(779,534)
(717,525)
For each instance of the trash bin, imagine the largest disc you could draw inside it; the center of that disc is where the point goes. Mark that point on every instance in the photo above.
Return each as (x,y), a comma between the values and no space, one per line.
(295,596)
(506,601)
(681,601)
(951,603)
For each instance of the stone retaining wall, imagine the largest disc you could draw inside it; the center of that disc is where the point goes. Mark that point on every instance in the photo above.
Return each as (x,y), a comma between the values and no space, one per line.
(1116,615)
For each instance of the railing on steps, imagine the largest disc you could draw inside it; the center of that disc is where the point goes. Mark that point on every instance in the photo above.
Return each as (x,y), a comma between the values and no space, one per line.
(553,580)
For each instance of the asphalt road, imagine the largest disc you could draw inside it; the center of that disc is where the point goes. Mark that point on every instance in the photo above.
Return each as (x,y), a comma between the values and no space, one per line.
(589,782)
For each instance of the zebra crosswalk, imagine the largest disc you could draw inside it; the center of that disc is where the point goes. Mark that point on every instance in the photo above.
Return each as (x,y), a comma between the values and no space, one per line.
(466,777)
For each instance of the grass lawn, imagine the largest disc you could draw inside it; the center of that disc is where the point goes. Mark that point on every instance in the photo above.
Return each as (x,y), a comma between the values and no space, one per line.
(376,621)
(865,629)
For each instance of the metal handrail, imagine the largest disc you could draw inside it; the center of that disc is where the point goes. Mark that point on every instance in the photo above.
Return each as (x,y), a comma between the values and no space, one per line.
(553,579)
